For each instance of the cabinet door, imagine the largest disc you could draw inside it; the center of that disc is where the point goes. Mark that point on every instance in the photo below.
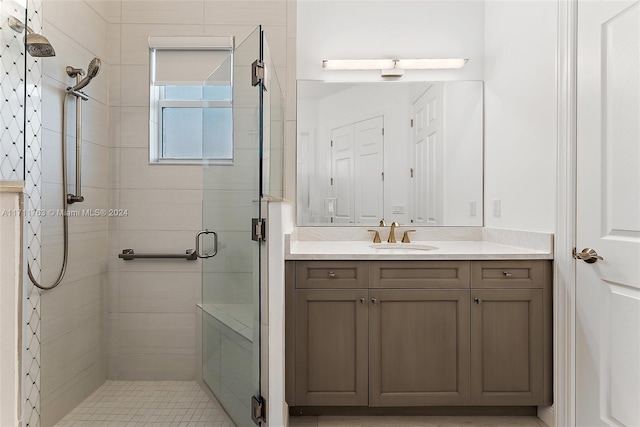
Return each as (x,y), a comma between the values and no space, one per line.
(331,345)
(507,347)
(419,347)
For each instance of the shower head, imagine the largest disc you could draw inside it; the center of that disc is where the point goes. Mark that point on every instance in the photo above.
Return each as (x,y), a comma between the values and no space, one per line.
(92,71)
(37,45)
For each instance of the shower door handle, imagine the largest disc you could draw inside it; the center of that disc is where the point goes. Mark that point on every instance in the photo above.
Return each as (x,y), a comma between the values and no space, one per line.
(215,244)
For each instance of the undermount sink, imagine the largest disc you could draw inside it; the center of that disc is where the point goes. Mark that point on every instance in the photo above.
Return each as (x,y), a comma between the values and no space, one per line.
(404,246)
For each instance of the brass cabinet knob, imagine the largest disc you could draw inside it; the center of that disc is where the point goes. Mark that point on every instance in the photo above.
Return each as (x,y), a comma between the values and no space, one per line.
(332,275)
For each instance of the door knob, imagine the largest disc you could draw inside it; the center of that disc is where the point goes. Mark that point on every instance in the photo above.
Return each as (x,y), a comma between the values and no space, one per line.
(588,255)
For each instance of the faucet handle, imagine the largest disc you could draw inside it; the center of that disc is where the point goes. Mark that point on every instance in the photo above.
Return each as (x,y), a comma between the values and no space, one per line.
(405,236)
(376,237)
(382,223)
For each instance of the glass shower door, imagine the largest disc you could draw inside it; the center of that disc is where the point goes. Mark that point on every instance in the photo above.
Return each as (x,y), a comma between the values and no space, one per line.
(231,279)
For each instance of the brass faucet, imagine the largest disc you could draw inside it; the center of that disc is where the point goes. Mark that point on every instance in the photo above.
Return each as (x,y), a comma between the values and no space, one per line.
(405,236)
(392,232)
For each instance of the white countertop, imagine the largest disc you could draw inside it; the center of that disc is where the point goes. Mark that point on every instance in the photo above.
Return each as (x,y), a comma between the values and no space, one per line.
(446,249)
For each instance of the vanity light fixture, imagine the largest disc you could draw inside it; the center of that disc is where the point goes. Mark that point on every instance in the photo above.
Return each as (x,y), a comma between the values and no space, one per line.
(394,67)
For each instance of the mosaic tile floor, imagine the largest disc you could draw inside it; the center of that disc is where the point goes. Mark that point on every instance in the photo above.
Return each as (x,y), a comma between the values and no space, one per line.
(148,403)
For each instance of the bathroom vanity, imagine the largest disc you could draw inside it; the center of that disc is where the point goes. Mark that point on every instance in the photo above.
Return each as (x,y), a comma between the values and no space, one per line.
(465,325)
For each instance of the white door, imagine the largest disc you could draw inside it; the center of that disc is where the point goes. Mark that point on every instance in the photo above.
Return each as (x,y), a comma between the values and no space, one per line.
(342,174)
(426,135)
(369,167)
(608,214)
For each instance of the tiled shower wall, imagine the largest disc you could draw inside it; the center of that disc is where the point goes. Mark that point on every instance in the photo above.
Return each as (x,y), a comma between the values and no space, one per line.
(152,316)
(74,314)
(151,327)
(21,159)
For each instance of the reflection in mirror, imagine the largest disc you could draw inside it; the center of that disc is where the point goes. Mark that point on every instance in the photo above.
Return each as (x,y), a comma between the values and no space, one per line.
(409,152)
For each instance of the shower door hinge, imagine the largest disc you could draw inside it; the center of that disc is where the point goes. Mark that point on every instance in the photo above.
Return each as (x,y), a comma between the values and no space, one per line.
(258,409)
(257,72)
(258,229)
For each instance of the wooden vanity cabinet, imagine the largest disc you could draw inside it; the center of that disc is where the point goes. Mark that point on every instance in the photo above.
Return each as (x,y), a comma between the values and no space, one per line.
(386,334)
(331,347)
(507,347)
(511,333)
(418,347)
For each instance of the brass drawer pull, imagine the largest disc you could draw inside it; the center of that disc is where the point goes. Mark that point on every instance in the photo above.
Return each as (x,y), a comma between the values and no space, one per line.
(362,300)
(374,301)
(506,274)
(477,300)
(332,275)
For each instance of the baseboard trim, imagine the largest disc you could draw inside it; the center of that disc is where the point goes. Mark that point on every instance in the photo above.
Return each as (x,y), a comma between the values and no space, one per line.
(416,410)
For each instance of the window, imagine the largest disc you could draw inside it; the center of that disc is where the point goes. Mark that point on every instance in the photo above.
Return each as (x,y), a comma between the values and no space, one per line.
(190,115)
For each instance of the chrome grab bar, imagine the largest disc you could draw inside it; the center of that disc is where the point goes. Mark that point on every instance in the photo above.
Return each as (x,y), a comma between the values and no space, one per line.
(215,244)
(129,254)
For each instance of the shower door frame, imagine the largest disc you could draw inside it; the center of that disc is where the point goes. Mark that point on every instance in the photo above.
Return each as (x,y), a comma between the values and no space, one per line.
(255,228)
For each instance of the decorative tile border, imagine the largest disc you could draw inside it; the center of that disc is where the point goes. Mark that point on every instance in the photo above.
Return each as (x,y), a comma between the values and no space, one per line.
(21,160)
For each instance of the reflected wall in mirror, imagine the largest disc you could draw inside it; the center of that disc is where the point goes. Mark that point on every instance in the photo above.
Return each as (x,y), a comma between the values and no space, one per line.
(409,152)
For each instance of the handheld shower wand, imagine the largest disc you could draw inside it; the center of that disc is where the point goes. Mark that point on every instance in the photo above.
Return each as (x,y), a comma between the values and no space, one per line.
(92,70)
(67,199)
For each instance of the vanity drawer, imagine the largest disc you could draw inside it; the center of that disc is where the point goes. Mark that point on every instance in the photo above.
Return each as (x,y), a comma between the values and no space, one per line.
(510,274)
(420,274)
(332,274)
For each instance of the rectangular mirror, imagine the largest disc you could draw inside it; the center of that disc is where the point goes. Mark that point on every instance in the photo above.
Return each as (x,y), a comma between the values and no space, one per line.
(410,152)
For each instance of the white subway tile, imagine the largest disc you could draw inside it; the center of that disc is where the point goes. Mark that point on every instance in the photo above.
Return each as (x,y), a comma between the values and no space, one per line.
(276,36)
(157,333)
(166,292)
(114,43)
(162,12)
(137,173)
(265,12)
(67,356)
(115,72)
(135,48)
(95,122)
(134,86)
(155,367)
(89,29)
(71,306)
(87,256)
(134,127)
(161,216)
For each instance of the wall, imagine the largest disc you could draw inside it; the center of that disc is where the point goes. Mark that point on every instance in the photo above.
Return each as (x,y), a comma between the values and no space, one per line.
(398,29)
(510,45)
(152,316)
(520,114)
(74,314)
(463,136)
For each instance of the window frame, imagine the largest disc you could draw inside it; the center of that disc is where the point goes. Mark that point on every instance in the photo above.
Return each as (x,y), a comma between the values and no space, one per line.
(157,103)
